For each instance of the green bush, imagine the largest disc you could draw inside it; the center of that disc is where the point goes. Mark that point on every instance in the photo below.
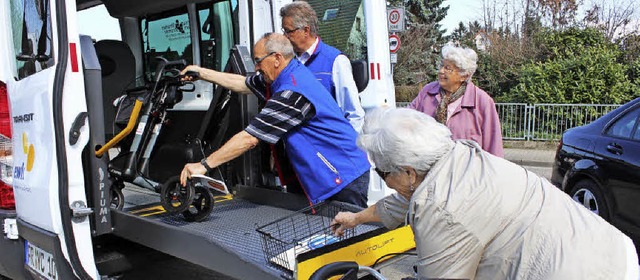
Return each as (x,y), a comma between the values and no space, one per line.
(407,93)
(580,66)
(575,65)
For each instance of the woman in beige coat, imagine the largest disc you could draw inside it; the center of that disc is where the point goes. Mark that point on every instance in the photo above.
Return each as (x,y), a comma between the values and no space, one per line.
(477,216)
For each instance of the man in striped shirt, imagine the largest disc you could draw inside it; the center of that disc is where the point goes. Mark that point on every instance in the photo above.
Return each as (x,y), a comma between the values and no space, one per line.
(319,141)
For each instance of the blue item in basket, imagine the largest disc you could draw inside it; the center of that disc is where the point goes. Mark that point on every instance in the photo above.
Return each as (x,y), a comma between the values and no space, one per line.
(321,240)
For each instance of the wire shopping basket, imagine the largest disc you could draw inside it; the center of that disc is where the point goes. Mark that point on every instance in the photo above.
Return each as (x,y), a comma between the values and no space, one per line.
(302,231)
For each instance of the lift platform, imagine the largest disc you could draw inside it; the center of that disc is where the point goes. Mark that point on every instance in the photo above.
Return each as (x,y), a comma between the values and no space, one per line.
(227,242)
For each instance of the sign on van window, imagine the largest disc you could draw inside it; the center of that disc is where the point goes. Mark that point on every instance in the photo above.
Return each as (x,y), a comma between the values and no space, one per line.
(31,36)
(168,36)
(177,31)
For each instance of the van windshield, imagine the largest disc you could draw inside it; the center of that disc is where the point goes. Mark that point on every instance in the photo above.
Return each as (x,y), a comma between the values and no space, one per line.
(169,35)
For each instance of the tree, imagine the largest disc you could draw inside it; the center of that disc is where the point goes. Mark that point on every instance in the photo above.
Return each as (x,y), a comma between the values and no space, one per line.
(611,18)
(630,45)
(423,11)
(459,34)
(543,55)
(560,13)
(421,41)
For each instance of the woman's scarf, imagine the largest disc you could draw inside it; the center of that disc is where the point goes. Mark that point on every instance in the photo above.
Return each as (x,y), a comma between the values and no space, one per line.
(441,111)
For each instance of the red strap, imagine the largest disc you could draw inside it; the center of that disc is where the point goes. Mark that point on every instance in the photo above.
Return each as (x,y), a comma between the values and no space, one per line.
(288,179)
(277,163)
(267,93)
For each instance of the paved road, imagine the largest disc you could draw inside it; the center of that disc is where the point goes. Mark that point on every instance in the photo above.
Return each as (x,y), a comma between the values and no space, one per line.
(542,171)
(538,161)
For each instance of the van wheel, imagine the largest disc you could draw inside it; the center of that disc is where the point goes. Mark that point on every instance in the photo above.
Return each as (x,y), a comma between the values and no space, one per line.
(201,207)
(588,194)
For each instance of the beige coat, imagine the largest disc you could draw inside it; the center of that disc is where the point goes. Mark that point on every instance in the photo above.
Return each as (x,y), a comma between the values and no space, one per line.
(478,216)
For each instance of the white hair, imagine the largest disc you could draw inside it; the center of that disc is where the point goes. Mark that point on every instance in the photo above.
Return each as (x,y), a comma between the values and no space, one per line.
(274,42)
(301,14)
(394,138)
(464,58)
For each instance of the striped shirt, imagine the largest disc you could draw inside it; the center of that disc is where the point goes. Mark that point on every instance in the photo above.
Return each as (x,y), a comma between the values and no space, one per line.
(282,112)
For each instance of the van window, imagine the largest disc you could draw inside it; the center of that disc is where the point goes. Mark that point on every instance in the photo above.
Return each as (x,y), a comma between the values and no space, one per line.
(216,32)
(97,23)
(31,30)
(168,36)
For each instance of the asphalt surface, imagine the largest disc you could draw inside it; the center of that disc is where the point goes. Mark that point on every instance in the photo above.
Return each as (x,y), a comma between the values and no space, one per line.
(530,157)
(538,161)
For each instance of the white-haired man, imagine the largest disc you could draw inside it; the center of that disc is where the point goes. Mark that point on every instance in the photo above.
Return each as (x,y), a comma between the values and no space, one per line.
(328,64)
(320,143)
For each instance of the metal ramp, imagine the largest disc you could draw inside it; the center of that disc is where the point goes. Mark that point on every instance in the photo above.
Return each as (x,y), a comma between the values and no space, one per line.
(226,242)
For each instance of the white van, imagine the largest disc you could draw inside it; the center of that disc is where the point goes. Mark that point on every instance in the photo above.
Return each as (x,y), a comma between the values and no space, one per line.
(63,202)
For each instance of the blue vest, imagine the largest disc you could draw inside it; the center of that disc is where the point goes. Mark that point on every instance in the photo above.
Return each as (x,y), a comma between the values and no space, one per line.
(323,150)
(321,65)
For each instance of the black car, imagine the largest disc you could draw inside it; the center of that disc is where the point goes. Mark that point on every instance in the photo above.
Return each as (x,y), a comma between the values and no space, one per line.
(598,165)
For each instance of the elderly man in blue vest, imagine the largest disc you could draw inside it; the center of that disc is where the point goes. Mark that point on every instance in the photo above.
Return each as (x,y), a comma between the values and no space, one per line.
(319,141)
(328,64)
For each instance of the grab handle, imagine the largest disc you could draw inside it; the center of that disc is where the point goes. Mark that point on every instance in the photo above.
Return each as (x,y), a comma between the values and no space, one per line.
(116,139)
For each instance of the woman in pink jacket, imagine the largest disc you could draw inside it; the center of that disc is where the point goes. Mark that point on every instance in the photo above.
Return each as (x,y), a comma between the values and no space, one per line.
(455,101)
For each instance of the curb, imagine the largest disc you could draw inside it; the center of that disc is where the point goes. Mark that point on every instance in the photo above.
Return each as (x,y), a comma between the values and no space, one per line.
(531,163)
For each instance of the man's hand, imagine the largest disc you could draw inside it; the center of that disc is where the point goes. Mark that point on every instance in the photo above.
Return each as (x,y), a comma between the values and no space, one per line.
(191,169)
(343,221)
(193,69)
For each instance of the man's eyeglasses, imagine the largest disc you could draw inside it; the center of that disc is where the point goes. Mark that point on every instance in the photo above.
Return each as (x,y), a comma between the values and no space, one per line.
(289,31)
(382,174)
(257,60)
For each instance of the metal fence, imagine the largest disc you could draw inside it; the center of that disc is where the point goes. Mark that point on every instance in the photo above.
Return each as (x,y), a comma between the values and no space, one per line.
(543,122)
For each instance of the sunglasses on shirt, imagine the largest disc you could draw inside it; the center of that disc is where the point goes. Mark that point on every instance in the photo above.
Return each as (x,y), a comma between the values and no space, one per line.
(381,173)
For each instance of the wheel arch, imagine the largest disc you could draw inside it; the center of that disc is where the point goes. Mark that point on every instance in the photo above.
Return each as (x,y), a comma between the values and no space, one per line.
(589,170)
(581,170)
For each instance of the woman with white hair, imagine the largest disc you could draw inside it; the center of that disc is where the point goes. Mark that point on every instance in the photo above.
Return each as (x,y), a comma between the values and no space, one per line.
(455,101)
(476,216)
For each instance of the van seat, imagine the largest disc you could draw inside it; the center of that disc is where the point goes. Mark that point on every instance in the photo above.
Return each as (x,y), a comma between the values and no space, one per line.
(360,73)
(118,73)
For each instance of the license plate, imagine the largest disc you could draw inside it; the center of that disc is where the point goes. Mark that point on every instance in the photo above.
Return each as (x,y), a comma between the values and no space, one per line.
(40,261)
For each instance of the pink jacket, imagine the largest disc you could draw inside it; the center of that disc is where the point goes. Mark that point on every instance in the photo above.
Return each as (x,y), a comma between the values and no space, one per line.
(476,118)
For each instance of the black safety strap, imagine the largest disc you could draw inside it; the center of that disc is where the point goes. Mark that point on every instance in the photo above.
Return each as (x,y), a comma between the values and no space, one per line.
(42,41)
(26,49)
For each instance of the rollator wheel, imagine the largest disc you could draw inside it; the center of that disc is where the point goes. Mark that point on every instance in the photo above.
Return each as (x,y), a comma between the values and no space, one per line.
(201,207)
(117,198)
(174,197)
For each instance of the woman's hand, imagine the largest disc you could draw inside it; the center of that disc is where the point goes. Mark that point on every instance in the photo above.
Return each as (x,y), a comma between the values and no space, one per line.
(344,221)
(191,169)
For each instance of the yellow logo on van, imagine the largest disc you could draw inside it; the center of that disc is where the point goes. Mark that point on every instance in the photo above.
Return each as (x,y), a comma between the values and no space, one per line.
(29,150)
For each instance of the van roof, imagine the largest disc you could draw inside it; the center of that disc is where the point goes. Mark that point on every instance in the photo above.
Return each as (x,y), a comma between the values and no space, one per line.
(128,8)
